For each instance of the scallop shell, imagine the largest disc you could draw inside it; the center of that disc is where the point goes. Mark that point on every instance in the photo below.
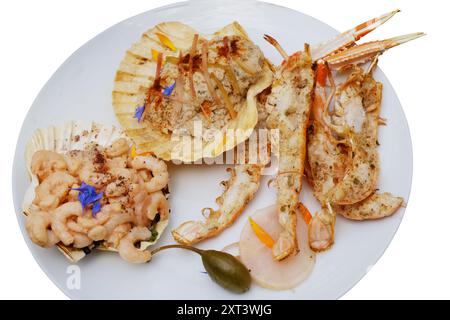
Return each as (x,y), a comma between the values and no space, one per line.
(74,135)
(136,74)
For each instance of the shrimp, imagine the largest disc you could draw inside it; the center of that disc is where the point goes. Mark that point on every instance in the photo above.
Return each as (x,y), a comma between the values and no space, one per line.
(75,227)
(74,160)
(45,162)
(118,233)
(37,225)
(127,249)
(117,219)
(81,240)
(59,221)
(118,148)
(116,188)
(53,189)
(239,190)
(157,167)
(87,221)
(158,205)
(97,233)
(141,204)
(90,176)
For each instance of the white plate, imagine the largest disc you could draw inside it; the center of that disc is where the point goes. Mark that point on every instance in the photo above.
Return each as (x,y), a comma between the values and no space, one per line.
(81,90)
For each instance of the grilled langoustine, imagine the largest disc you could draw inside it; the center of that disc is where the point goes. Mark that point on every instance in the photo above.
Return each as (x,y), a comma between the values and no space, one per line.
(343,140)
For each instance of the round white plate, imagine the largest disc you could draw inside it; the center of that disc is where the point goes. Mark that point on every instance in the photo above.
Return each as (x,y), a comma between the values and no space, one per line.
(81,90)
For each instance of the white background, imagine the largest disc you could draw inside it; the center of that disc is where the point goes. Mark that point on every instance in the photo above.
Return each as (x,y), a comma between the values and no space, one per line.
(37,36)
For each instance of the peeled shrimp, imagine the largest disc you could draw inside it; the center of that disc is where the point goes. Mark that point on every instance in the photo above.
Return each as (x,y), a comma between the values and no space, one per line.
(74,160)
(118,148)
(90,176)
(81,240)
(59,221)
(158,204)
(87,221)
(53,189)
(97,233)
(75,227)
(129,252)
(37,224)
(116,189)
(45,162)
(141,204)
(117,219)
(157,167)
(118,233)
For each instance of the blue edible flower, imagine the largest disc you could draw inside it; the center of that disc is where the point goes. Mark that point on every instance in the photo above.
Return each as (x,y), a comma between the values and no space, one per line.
(168,90)
(96,208)
(139,112)
(87,195)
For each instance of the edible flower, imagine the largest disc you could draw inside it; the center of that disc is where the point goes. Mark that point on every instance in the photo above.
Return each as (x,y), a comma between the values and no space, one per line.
(168,90)
(88,195)
(96,208)
(305,213)
(133,152)
(155,54)
(139,112)
(262,235)
(166,41)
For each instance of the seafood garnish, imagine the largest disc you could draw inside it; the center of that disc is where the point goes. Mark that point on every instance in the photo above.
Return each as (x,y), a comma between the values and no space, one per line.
(89,191)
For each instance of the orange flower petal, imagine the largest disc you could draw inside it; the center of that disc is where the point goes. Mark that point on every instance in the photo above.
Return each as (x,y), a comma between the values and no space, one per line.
(166,41)
(155,54)
(262,235)
(305,213)
(133,151)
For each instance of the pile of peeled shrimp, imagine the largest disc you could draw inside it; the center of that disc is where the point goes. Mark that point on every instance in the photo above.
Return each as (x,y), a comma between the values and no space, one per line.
(99,194)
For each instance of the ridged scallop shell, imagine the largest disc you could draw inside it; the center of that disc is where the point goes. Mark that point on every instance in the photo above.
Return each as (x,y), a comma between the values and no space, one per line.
(74,135)
(136,74)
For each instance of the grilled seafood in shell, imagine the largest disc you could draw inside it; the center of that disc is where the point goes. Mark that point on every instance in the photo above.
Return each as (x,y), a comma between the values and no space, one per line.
(177,92)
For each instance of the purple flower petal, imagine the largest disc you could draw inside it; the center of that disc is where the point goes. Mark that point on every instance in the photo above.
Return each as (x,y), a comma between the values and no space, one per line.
(139,112)
(168,90)
(88,195)
(96,208)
